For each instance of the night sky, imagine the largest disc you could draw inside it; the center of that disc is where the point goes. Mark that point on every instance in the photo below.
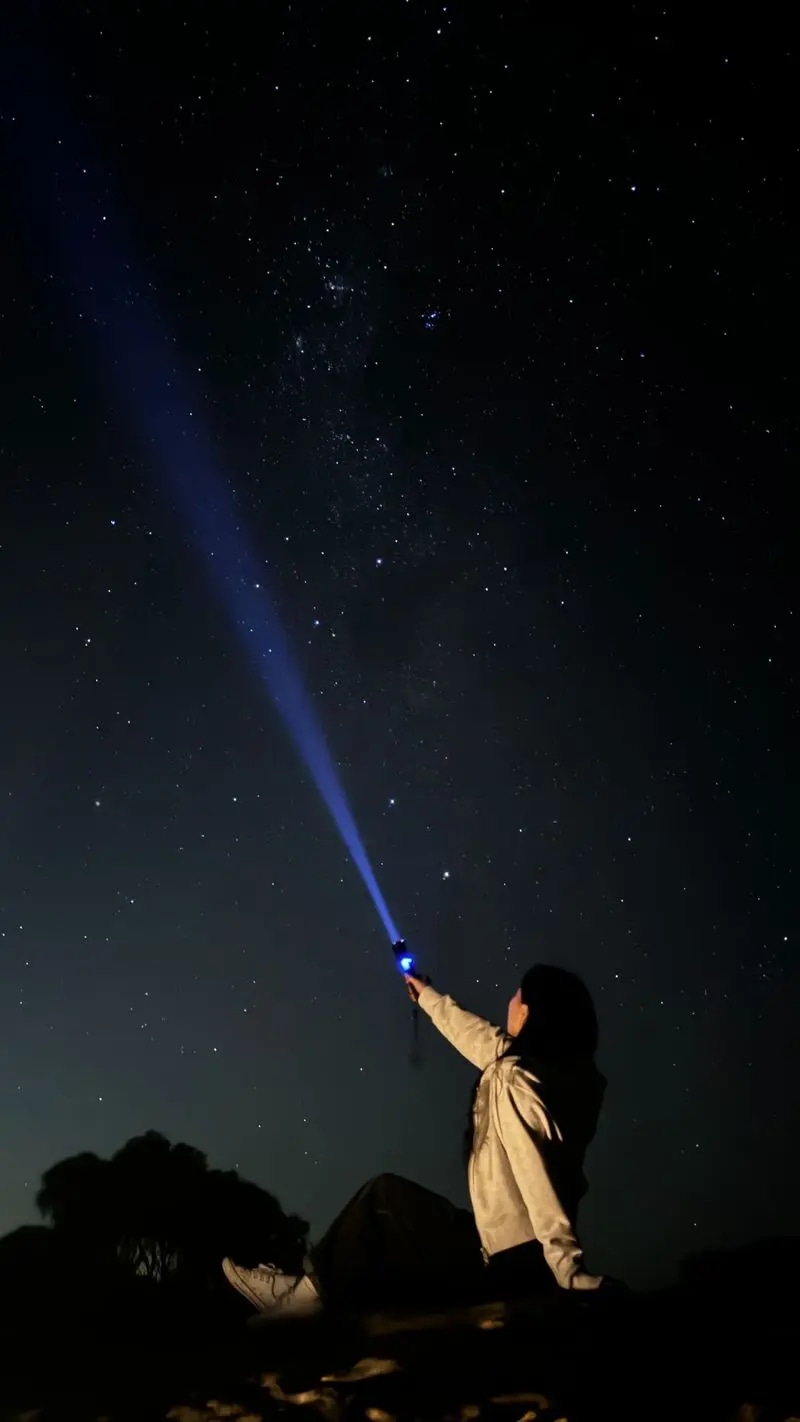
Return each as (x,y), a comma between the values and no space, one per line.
(489,331)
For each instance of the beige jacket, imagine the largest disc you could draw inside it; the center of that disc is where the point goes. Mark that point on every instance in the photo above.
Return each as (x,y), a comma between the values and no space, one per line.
(531,1128)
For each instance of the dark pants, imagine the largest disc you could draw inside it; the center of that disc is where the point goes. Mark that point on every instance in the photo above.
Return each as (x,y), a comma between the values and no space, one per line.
(398,1245)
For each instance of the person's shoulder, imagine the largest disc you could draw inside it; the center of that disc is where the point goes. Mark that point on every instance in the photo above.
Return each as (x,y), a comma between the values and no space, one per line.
(517,1074)
(516,1085)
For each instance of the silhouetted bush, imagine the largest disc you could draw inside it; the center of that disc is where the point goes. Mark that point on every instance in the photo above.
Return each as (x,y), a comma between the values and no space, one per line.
(152,1222)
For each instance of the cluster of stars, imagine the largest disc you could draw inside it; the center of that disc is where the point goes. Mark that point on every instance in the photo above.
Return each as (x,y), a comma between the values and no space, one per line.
(450,331)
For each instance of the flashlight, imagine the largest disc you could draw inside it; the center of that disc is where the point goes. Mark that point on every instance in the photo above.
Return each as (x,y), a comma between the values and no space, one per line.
(406,964)
(404,959)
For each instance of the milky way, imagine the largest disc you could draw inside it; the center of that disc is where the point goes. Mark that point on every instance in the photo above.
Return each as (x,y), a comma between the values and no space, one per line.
(488,328)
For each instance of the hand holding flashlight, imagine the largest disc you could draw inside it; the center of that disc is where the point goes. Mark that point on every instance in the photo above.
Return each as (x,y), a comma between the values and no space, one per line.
(414,980)
(415,986)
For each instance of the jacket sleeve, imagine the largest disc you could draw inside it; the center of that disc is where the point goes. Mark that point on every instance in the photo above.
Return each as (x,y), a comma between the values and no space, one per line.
(527,1138)
(478,1041)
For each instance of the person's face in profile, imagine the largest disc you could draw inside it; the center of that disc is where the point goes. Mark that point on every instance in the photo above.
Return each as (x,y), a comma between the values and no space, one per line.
(517,1014)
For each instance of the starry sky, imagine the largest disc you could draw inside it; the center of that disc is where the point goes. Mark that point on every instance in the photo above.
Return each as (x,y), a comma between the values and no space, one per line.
(488,329)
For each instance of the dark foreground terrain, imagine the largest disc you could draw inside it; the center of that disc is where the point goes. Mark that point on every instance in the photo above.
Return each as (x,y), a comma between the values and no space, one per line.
(684,1354)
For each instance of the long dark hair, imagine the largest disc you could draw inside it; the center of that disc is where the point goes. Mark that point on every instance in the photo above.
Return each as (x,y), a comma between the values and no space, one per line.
(561,1026)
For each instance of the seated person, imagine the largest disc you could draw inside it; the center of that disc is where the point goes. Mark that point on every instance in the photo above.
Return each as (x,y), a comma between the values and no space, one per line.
(533,1113)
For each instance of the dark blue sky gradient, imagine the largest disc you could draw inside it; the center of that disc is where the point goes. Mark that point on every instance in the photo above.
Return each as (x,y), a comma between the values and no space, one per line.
(489,335)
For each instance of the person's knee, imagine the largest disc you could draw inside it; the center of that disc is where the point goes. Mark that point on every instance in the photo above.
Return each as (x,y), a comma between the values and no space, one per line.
(384,1187)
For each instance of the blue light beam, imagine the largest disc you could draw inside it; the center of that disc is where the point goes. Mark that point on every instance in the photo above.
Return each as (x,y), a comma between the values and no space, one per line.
(141,366)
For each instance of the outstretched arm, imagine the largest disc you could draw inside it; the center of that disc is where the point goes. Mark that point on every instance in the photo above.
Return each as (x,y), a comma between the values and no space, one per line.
(525,1133)
(475,1039)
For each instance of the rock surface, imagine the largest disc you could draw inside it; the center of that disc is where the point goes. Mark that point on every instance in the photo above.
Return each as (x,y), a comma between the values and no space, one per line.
(648,1357)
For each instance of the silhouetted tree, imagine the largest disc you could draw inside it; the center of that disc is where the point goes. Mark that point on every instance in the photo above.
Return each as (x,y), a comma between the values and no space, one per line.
(71,1192)
(156,1188)
(156,1212)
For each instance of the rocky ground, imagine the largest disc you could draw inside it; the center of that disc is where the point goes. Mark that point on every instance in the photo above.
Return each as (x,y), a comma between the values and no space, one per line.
(643,1357)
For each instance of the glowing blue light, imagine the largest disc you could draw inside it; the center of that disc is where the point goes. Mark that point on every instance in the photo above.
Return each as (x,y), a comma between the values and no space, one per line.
(406,964)
(139,359)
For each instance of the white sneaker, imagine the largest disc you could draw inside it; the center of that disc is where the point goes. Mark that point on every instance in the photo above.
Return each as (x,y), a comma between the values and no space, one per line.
(273,1293)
